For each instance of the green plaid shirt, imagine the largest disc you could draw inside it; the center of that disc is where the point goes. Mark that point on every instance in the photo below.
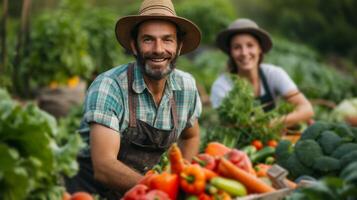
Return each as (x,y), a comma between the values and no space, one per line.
(107,101)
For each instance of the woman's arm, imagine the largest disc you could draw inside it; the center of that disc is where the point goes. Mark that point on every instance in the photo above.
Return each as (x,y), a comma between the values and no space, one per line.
(302,112)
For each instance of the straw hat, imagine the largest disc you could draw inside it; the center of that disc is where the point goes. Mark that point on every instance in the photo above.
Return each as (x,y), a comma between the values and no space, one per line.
(158,9)
(243,26)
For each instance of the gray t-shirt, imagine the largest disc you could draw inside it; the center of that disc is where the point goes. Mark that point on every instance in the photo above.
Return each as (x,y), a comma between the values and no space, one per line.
(279,83)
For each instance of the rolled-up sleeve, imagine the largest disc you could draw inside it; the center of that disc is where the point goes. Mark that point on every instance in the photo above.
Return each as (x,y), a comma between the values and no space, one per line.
(102,104)
(195,110)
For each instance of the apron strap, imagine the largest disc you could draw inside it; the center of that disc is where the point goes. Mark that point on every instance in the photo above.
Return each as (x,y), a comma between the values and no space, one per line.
(267,100)
(174,111)
(132,97)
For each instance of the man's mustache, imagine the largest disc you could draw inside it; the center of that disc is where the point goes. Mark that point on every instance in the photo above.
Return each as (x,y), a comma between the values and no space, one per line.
(157,56)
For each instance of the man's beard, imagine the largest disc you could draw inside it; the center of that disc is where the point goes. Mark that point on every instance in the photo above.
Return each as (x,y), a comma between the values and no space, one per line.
(155,74)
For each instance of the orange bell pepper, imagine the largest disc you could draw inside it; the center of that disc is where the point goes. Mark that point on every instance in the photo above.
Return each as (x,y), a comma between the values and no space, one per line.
(192,179)
(216,149)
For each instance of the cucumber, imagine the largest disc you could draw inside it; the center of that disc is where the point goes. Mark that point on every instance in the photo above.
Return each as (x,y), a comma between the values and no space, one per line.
(230,186)
(260,155)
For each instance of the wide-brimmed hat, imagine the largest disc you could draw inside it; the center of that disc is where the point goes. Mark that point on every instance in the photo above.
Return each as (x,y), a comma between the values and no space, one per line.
(158,9)
(243,26)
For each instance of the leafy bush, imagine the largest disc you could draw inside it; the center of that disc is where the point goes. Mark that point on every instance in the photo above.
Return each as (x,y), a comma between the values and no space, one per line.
(314,78)
(32,157)
(205,67)
(58,50)
(104,49)
(299,20)
(211,16)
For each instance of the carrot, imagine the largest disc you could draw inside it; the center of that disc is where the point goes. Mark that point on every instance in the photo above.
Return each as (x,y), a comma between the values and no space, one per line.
(176,160)
(209,173)
(252,183)
(216,149)
(291,184)
(262,169)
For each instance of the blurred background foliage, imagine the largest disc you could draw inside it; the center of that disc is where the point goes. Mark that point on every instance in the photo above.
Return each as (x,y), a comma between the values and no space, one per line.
(314,40)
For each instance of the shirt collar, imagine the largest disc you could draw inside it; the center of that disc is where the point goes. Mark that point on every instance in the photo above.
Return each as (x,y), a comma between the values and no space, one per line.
(139,84)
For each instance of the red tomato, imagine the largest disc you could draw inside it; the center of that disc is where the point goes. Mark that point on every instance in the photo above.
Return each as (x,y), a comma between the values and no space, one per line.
(81,196)
(66,196)
(258,144)
(272,143)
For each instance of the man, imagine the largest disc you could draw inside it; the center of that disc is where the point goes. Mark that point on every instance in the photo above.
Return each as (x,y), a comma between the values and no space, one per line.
(134,112)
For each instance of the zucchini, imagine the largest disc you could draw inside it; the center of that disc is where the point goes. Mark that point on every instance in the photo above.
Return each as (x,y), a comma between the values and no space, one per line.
(262,154)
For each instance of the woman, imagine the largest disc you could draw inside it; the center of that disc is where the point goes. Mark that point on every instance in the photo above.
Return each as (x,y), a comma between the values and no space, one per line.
(245,44)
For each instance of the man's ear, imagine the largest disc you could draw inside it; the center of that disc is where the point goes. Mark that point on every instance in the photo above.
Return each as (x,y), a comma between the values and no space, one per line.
(133,47)
(179,48)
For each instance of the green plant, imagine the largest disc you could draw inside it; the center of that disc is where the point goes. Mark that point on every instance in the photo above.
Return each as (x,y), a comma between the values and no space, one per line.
(211,16)
(242,118)
(104,49)
(31,155)
(58,50)
(315,78)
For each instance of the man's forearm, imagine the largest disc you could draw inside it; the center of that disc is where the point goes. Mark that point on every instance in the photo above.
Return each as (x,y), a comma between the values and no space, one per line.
(117,175)
(190,147)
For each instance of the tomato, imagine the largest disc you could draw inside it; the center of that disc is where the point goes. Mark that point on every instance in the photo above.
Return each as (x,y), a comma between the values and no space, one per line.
(81,196)
(272,143)
(66,196)
(258,144)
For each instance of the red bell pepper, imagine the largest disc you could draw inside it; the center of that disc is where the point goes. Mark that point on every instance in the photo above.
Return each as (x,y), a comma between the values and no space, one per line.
(241,160)
(166,182)
(156,195)
(205,160)
(136,192)
(204,196)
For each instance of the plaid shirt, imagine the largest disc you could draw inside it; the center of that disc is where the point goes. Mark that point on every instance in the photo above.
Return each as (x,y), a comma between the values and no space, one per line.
(107,101)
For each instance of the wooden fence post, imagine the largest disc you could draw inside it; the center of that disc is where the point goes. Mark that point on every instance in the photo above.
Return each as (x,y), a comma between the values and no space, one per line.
(19,52)
(3,38)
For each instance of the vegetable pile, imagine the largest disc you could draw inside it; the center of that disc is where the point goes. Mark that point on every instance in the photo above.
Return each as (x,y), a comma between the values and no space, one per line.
(323,149)
(217,173)
(34,152)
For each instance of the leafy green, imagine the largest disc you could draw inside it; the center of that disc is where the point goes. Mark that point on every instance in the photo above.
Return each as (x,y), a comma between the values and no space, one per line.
(59,49)
(32,159)
(242,118)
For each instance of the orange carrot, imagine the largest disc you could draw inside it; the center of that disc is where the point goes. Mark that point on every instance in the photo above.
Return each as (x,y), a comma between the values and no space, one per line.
(216,149)
(209,173)
(291,184)
(252,183)
(176,160)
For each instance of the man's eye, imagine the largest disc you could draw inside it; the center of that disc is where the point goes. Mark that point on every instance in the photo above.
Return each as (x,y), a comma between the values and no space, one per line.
(147,40)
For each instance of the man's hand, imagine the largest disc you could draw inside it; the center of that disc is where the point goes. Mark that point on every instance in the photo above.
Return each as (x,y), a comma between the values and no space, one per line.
(189,142)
